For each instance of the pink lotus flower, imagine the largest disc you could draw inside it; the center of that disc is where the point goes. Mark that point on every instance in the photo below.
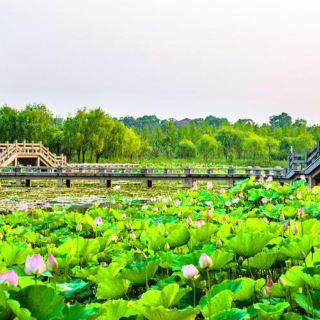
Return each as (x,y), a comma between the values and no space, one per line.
(241,194)
(269,179)
(23,206)
(205,261)
(261,179)
(97,221)
(189,271)
(222,190)
(303,177)
(154,209)
(264,200)
(209,185)
(34,265)
(228,203)
(52,264)
(176,202)
(200,223)
(123,215)
(9,277)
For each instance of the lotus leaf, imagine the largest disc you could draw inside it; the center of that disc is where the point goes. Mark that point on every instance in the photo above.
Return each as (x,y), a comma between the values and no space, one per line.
(231,314)
(114,309)
(178,235)
(311,304)
(298,248)
(293,277)
(262,260)
(140,272)
(220,259)
(270,311)
(249,244)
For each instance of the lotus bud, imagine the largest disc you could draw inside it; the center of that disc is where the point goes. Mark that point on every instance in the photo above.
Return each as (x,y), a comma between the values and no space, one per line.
(231,229)
(294,228)
(281,282)
(286,225)
(270,179)
(97,221)
(222,190)
(291,197)
(240,259)
(177,202)
(132,235)
(299,195)
(189,220)
(228,203)
(115,237)
(194,185)
(224,218)
(303,254)
(209,185)
(281,216)
(265,219)
(1,235)
(301,212)
(208,214)
(79,227)
(190,272)
(219,243)
(269,282)
(241,195)
(52,264)
(167,246)
(154,209)
(123,215)
(264,200)
(266,291)
(166,233)
(34,265)
(200,223)
(144,207)
(9,277)
(205,261)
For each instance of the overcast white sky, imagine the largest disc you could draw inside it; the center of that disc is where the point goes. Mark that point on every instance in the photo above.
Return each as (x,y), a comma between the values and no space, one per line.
(172,58)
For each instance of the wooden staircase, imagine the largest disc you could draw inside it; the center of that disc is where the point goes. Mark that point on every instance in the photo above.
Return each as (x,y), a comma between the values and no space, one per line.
(35,153)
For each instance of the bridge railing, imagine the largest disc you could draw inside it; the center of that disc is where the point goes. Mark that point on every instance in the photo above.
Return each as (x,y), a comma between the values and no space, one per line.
(201,172)
(312,154)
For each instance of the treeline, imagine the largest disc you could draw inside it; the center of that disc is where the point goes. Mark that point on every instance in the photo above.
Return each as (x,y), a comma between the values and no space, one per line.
(92,135)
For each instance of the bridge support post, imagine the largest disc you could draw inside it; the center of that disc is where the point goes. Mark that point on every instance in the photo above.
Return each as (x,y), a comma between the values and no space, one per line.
(60,182)
(187,183)
(102,182)
(28,183)
(147,183)
(18,182)
(109,183)
(68,183)
(231,183)
(312,182)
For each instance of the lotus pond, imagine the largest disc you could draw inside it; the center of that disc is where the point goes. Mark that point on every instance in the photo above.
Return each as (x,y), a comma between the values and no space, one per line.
(252,252)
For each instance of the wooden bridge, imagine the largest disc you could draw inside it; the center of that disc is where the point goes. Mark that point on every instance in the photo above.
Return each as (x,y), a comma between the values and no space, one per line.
(49,166)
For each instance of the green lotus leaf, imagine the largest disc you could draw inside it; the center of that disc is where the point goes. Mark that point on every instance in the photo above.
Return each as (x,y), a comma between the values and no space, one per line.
(84,249)
(114,309)
(178,235)
(203,233)
(13,254)
(220,259)
(219,302)
(289,211)
(277,290)
(167,297)
(72,288)
(16,310)
(231,285)
(292,316)
(231,314)
(161,313)
(311,276)
(262,260)
(247,288)
(249,244)
(41,301)
(298,248)
(140,272)
(78,311)
(153,238)
(111,285)
(311,303)
(270,311)
(293,277)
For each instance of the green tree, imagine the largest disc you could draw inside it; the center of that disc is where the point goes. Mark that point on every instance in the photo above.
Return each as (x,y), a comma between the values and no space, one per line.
(186,149)
(207,147)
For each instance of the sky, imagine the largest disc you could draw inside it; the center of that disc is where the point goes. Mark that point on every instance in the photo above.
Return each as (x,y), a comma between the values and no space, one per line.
(172,58)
